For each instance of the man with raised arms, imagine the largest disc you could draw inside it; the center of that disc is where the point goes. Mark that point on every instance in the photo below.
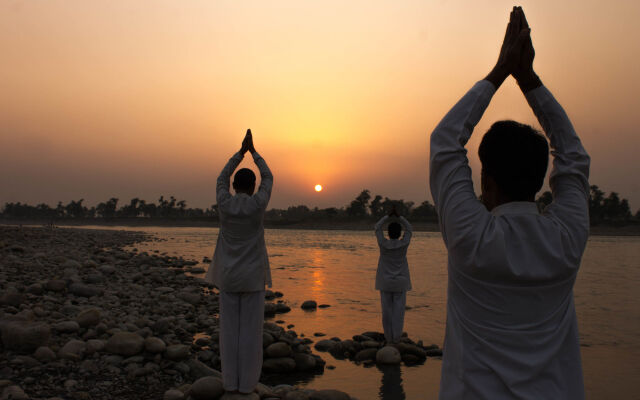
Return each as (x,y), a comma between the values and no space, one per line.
(511,329)
(240,269)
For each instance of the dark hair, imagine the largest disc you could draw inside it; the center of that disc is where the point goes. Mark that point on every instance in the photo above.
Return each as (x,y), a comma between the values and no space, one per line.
(516,156)
(394,230)
(244,180)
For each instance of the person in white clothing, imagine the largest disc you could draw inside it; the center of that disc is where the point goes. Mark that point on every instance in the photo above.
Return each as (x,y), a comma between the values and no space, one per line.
(240,269)
(511,330)
(392,277)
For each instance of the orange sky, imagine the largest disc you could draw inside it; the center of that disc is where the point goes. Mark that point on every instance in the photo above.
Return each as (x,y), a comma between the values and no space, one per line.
(142,98)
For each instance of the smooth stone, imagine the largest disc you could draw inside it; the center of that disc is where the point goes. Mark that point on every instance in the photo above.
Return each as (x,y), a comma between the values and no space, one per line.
(66,327)
(71,264)
(88,317)
(309,305)
(296,395)
(325,345)
(44,354)
(366,354)
(154,345)
(125,344)
(206,388)
(14,392)
(198,369)
(176,352)
(388,355)
(24,336)
(278,349)
(283,364)
(173,394)
(73,350)
(107,269)
(11,298)
(94,346)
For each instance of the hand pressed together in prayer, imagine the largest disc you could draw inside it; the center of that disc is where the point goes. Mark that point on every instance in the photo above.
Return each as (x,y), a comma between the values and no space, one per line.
(247,143)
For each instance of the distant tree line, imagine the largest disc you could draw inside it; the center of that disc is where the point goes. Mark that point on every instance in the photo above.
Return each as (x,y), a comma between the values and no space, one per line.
(604,209)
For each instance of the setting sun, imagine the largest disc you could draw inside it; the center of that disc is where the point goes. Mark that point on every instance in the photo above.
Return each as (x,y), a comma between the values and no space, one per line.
(318,188)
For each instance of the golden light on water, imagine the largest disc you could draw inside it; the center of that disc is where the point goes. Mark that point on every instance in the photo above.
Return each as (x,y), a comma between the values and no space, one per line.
(318,188)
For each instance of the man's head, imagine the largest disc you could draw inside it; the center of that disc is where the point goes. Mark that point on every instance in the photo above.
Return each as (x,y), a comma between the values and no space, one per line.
(514,159)
(244,181)
(395,229)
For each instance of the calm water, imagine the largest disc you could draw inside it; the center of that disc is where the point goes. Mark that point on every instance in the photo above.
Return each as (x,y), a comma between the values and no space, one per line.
(338,268)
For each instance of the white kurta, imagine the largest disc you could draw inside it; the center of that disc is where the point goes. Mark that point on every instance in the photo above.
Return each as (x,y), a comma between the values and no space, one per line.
(240,262)
(393,270)
(511,328)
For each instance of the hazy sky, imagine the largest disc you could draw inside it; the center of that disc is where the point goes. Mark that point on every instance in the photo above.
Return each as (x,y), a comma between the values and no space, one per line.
(143,98)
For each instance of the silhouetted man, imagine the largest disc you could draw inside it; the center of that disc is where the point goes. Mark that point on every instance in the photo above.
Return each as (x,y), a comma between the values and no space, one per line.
(240,269)
(511,327)
(392,277)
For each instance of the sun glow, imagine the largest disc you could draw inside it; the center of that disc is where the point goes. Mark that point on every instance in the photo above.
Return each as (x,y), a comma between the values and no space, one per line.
(318,188)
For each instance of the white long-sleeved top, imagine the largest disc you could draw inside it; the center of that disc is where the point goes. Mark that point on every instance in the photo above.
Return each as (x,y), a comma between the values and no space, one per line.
(240,262)
(393,269)
(511,329)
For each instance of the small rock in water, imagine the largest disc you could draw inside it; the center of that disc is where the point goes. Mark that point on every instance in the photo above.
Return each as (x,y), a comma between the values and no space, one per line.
(388,355)
(309,305)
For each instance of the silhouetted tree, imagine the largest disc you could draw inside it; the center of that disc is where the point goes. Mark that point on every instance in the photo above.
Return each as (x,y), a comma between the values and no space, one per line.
(424,211)
(358,207)
(376,207)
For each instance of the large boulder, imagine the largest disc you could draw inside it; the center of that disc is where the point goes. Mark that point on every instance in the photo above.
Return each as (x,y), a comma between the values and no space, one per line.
(125,344)
(388,355)
(24,336)
(206,388)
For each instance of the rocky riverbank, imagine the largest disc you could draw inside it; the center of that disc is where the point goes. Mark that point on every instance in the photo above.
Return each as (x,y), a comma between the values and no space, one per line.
(81,318)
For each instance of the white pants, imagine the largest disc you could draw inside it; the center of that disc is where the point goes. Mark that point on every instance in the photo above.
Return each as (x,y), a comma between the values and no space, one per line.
(241,320)
(393,314)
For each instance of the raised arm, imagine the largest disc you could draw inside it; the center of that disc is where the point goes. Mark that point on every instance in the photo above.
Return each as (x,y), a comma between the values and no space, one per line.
(408,230)
(378,228)
(266,177)
(569,179)
(224,180)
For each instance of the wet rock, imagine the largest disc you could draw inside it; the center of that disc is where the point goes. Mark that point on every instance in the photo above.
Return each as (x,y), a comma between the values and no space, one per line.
(107,269)
(125,344)
(154,345)
(35,288)
(199,370)
(366,355)
(24,336)
(267,339)
(296,395)
(206,388)
(388,355)
(309,305)
(304,362)
(279,365)
(278,349)
(177,352)
(71,264)
(94,346)
(240,396)
(325,345)
(434,353)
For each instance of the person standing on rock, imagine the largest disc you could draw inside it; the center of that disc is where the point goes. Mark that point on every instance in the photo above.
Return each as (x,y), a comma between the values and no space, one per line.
(392,277)
(511,330)
(240,269)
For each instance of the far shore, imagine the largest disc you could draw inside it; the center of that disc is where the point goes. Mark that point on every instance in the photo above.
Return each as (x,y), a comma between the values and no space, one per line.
(631,229)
